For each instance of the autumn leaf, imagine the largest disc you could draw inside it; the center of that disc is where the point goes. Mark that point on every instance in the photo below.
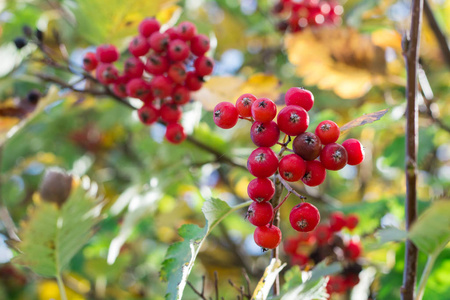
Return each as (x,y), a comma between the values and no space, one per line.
(364,119)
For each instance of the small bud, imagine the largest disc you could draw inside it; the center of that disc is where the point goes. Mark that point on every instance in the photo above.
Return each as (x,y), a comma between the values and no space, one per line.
(56,186)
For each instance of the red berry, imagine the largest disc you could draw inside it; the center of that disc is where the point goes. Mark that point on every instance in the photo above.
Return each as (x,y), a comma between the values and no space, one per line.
(193,81)
(351,221)
(200,44)
(107,53)
(333,157)
(315,173)
(337,221)
(106,73)
(173,33)
(264,110)
(225,115)
(293,120)
(355,151)
(353,250)
(304,217)
(133,67)
(170,112)
(161,86)
(267,237)
(290,245)
(139,46)
(262,162)
(265,134)
(336,284)
(323,234)
(177,72)
(307,145)
(203,66)
(120,86)
(90,61)
(138,88)
(292,167)
(178,50)
(299,259)
(180,95)
(159,41)
(186,30)
(148,26)
(157,64)
(300,97)
(148,114)
(351,280)
(260,213)
(244,105)
(175,133)
(328,132)
(261,189)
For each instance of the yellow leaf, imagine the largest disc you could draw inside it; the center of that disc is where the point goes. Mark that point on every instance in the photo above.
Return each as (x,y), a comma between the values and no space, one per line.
(387,38)
(48,289)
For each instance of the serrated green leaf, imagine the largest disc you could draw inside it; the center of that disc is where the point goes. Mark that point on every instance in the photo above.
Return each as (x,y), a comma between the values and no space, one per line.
(180,257)
(52,236)
(431,231)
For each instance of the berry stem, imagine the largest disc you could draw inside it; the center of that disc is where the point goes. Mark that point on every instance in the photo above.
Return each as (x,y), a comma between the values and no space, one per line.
(289,188)
(281,203)
(250,119)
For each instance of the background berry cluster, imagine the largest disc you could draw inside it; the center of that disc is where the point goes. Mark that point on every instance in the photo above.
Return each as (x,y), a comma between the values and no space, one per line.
(263,162)
(163,69)
(297,15)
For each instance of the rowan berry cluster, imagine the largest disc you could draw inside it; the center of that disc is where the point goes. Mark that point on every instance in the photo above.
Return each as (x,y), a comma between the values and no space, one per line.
(263,162)
(162,70)
(328,242)
(296,15)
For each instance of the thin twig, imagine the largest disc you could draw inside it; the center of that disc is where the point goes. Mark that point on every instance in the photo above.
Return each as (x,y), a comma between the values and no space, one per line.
(289,188)
(216,284)
(440,36)
(197,292)
(247,280)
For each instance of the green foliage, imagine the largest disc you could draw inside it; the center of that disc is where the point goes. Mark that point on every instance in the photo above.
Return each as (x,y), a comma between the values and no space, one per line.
(52,235)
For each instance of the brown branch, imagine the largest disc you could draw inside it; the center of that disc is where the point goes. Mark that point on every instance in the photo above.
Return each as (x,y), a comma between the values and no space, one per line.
(201,295)
(440,37)
(411,54)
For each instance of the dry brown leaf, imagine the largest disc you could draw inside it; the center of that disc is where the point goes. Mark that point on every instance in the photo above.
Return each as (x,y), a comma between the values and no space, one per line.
(340,59)
(364,119)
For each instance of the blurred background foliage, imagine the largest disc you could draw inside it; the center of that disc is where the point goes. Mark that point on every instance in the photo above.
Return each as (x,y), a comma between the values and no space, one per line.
(151,187)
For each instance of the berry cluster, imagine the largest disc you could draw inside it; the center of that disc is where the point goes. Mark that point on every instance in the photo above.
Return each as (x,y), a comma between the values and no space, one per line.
(263,162)
(328,242)
(163,69)
(296,15)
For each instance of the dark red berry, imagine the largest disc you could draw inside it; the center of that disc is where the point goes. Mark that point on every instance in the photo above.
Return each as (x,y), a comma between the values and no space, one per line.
(337,221)
(193,81)
(300,97)
(90,61)
(333,157)
(175,133)
(170,112)
(264,110)
(139,46)
(315,173)
(200,44)
(307,145)
(336,285)
(267,237)
(299,259)
(203,66)
(225,115)
(353,250)
(292,167)
(351,221)
(120,86)
(293,120)
(180,95)
(244,105)
(328,132)
(260,213)
(107,53)
(177,72)
(262,162)
(148,114)
(304,217)
(261,189)
(323,234)
(265,134)
(148,26)
(355,151)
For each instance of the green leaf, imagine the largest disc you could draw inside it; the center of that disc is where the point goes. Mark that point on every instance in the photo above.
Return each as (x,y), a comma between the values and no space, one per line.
(391,234)
(180,257)
(431,231)
(52,236)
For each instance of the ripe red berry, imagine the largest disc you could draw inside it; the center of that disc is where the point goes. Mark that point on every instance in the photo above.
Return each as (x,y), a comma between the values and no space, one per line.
(351,280)
(175,133)
(323,234)
(203,65)
(333,157)
(200,44)
(267,237)
(337,221)
(307,145)
(148,26)
(300,97)
(351,221)
(157,64)
(293,120)
(177,72)
(133,67)
(355,151)
(138,88)
(178,50)
(260,213)
(299,259)
(148,114)
(106,73)
(261,189)
(304,217)
(161,86)
(336,284)
(328,132)
(353,250)
(315,173)
(159,41)
(225,115)
(180,95)
(139,46)
(173,33)
(107,53)
(120,86)
(264,110)
(186,30)
(90,61)
(265,134)
(262,162)
(193,81)
(290,245)
(292,167)
(170,112)
(244,105)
